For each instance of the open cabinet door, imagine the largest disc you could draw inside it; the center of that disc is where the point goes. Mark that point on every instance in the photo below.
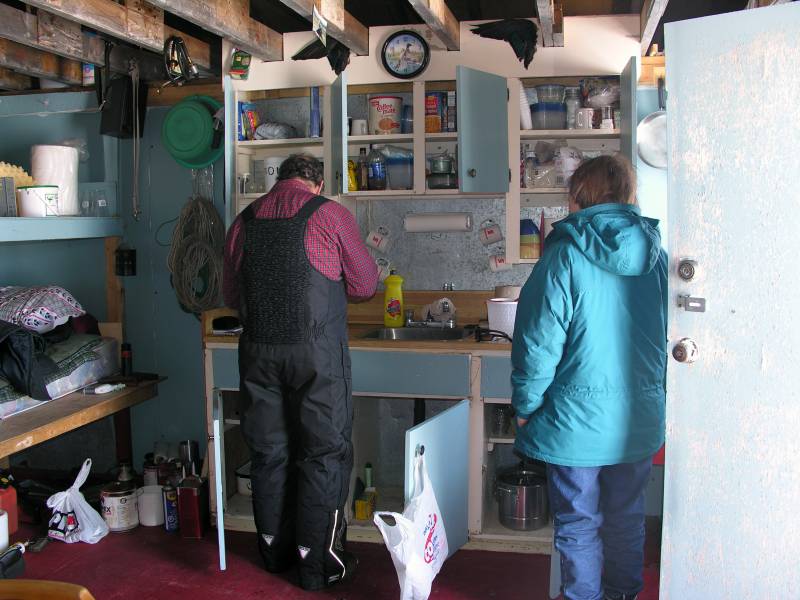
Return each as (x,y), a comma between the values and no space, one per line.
(482,113)
(731,527)
(628,82)
(338,131)
(445,439)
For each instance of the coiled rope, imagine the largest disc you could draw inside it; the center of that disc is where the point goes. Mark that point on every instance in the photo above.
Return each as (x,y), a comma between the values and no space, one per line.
(195,258)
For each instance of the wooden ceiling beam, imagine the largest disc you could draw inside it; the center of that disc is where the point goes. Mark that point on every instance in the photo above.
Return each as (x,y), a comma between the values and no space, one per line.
(440,19)
(14,82)
(231,20)
(137,22)
(37,63)
(652,11)
(551,21)
(342,25)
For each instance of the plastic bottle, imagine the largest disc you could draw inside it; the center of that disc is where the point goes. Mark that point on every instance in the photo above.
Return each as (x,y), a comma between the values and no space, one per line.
(376,176)
(363,170)
(393,300)
(8,503)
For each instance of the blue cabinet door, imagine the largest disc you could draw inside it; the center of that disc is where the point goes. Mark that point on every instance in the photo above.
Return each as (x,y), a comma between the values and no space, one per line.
(338,128)
(482,109)
(445,440)
(628,82)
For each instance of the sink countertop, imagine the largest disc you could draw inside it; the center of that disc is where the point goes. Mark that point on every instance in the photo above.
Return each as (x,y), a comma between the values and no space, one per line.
(356,331)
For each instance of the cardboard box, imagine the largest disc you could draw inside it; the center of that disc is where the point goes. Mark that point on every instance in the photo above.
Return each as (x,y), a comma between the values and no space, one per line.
(365,505)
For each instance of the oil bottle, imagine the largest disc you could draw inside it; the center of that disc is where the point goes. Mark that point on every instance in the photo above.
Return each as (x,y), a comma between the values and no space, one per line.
(393,300)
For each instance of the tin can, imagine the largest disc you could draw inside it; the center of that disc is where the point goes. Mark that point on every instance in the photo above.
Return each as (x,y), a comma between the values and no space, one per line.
(170,495)
(150,474)
(120,506)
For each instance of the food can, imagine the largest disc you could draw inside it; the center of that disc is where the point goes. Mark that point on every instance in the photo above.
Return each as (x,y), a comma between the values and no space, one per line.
(150,474)
(170,495)
(120,506)
(384,114)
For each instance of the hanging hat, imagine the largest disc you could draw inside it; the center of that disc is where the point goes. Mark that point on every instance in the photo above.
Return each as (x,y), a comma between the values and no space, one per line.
(188,132)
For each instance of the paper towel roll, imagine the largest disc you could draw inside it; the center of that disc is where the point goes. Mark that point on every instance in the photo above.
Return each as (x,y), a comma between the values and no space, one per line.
(3,530)
(426,222)
(58,165)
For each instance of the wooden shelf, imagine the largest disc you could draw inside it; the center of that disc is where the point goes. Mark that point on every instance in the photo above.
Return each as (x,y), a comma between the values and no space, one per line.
(538,541)
(568,134)
(25,229)
(51,419)
(388,138)
(285,143)
(528,261)
(544,190)
(445,136)
(380,194)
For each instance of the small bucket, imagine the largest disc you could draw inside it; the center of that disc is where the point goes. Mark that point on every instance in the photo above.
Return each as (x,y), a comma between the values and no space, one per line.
(502,313)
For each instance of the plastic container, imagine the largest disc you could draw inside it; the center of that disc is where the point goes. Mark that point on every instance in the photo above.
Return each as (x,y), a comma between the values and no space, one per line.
(549,116)
(550,93)
(38,201)
(502,314)
(400,172)
(393,301)
(529,240)
(572,102)
(385,113)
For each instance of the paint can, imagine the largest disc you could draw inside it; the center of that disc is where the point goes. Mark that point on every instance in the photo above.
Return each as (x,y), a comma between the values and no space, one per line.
(170,496)
(120,506)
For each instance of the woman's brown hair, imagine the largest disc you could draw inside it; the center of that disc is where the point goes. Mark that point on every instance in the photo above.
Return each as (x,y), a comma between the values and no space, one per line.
(601,180)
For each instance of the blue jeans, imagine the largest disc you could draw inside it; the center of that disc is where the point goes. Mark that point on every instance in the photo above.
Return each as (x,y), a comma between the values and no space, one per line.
(598,514)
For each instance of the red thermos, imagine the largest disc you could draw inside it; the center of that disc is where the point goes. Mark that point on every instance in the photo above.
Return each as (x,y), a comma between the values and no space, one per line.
(192,507)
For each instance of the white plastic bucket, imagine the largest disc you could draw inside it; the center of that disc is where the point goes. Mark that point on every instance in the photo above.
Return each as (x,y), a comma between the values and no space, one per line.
(384,114)
(502,313)
(58,165)
(151,506)
(38,201)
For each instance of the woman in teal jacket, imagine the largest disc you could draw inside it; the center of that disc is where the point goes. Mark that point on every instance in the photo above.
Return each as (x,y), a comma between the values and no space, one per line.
(589,364)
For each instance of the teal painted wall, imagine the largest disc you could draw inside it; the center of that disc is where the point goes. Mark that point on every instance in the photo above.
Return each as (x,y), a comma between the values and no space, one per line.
(165,339)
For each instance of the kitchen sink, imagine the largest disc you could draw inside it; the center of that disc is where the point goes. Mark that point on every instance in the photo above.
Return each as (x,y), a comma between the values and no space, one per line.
(416,334)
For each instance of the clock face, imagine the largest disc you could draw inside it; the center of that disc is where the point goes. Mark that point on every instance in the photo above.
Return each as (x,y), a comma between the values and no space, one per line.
(405,54)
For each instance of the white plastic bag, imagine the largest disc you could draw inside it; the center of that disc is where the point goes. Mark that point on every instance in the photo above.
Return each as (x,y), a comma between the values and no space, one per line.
(73,519)
(417,541)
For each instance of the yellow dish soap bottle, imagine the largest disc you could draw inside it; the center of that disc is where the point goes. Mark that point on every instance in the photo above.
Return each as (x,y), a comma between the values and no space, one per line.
(393,301)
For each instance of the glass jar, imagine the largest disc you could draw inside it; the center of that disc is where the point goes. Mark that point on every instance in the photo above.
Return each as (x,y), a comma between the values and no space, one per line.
(572,100)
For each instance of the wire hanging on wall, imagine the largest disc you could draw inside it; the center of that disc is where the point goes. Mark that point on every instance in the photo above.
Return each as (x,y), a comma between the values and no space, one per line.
(195,258)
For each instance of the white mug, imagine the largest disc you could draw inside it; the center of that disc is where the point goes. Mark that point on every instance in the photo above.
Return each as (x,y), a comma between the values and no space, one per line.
(359,127)
(490,233)
(151,505)
(384,268)
(379,239)
(497,262)
(583,118)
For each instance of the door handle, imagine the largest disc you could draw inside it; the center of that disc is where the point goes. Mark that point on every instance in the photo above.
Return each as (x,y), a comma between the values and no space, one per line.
(685,351)
(472,172)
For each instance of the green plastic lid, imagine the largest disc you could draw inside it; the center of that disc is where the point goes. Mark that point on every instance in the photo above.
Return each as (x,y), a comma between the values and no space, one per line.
(188,131)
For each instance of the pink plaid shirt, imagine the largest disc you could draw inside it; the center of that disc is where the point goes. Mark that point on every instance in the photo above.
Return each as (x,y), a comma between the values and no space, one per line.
(333,242)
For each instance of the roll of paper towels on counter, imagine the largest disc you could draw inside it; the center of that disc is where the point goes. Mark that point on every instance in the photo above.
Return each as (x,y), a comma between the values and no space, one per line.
(430,222)
(58,165)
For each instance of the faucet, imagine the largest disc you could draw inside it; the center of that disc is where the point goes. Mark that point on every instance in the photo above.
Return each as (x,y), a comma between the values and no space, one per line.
(429,322)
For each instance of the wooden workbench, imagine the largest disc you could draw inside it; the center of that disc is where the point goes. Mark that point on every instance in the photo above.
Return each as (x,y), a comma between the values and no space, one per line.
(55,417)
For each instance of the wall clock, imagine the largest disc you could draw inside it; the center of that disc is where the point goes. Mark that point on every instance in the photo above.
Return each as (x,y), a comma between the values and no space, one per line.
(405,54)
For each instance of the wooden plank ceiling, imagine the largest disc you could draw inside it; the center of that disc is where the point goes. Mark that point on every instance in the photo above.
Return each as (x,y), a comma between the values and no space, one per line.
(50,39)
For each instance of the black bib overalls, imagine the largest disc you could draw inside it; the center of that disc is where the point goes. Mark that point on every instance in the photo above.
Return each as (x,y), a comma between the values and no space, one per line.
(294,365)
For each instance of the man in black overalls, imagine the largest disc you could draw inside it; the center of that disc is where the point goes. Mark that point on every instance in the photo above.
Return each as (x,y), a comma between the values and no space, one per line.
(294,365)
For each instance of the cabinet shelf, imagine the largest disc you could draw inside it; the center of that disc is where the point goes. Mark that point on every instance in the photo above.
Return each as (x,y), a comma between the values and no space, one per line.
(568,134)
(492,530)
(445,136)
(528,261)
(380,139)
(27,229)
(543,190)
(284,143)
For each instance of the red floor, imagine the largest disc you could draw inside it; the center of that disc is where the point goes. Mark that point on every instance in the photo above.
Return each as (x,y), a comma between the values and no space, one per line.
(152,564)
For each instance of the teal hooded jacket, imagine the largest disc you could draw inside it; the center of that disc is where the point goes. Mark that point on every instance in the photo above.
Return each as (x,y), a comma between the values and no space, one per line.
(589,351)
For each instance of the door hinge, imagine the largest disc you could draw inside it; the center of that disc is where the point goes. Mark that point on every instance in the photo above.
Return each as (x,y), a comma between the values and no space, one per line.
(508,95)
(509,176)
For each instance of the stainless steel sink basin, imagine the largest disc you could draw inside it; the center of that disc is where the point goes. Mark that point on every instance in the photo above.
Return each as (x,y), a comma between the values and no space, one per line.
(416,334)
